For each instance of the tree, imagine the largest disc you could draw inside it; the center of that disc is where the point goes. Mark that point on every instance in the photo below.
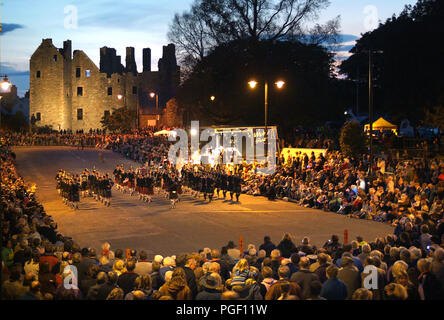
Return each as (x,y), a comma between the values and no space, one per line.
(120,120)
(211,23)
(352,139)
(408,72)
(434,117)
(310,95)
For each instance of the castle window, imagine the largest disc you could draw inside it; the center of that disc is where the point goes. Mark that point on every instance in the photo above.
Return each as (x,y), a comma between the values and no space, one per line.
(87,73)
(38,74)
(134,90)
(54,58)
(77,72)
(106,113)
(38,116)
(79,114)
(110,91)
(79,91)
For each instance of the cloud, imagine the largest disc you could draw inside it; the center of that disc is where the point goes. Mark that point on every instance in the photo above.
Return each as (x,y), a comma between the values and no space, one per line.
(10,70)
(9,27)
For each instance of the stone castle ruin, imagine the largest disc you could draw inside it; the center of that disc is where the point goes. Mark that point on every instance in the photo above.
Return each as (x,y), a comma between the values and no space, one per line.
(69,92)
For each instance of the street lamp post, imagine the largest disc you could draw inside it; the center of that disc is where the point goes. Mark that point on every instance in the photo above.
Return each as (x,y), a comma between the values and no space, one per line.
(154,94)
(370,109)
(370,104)
(279,84)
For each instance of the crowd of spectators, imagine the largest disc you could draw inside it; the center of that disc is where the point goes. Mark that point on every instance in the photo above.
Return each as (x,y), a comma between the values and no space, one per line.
(38,263)
(410,189)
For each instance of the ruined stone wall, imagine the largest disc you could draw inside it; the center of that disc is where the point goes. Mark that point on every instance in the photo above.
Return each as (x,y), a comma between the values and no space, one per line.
(96,98)
(47,91)
(55,93)
(172,116)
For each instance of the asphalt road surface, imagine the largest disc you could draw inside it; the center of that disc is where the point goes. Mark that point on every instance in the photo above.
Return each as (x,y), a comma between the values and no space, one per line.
(193,225)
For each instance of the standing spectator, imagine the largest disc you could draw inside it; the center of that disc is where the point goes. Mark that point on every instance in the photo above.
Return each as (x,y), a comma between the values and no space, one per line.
(438,265)
(12,289)
(47,279)
(108,286)
(349,274)
(429,287)
(93,291)
(286,246)
(315,291)
(156,278)
(333,288)
(268,246)
(304,277)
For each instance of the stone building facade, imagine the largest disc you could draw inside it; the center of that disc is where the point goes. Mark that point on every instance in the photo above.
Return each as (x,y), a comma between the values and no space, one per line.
(69,92)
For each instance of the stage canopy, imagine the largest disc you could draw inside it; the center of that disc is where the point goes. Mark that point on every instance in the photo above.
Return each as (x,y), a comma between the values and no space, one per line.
(381,125)
(162,132)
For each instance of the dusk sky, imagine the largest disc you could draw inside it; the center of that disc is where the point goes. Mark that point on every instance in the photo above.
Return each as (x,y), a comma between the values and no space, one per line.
(136,23)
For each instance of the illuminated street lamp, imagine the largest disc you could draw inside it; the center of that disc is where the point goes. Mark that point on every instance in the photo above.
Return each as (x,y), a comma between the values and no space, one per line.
(279,84)
(5,87)
(155,95)
(212,98)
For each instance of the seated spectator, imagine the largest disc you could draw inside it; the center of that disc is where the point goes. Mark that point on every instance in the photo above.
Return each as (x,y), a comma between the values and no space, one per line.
(127,279)
(177,288)
(275,291)
(212,288)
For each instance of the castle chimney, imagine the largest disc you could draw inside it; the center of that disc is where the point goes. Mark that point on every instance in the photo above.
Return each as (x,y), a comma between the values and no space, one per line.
(130,60)
(67,50)
(146,59)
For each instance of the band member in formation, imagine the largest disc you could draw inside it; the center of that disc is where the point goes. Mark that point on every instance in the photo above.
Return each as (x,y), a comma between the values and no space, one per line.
(97,186)
(145,180)
(207,181)
(68,186)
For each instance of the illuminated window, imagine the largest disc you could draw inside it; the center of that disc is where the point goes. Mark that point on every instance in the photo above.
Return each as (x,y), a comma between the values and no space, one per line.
(87,73)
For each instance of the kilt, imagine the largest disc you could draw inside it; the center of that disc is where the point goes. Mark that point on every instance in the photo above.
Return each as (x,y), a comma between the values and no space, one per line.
(84,185)
(108,193)
(144,190)
(150,190)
